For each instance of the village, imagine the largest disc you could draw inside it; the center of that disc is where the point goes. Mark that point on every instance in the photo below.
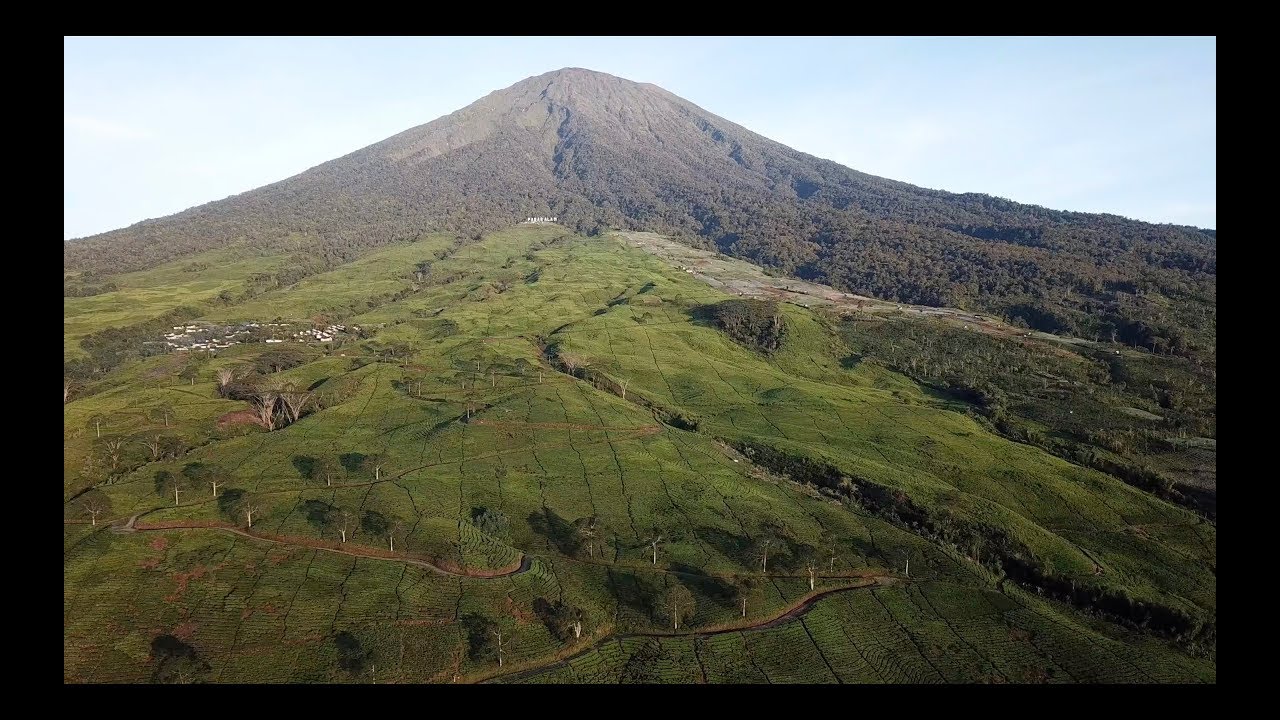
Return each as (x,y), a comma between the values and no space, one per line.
(212,337)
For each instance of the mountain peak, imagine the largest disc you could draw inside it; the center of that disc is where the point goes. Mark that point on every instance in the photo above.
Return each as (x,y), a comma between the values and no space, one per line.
(600,151)
(577,86)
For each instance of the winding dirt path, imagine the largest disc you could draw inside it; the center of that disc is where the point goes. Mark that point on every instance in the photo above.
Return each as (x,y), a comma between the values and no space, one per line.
(362,552)
(791,612)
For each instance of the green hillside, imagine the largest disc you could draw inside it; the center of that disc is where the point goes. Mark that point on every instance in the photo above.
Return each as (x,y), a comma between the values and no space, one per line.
(522,416)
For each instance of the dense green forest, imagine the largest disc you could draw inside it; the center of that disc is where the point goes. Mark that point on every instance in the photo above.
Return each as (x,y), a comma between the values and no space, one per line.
(599,151)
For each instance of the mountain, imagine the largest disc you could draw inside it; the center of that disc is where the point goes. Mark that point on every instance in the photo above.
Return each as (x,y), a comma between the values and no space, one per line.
(600,151)
(334,430)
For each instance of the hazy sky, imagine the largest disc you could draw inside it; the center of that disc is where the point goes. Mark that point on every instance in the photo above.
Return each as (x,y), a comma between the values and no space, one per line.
(1121,125)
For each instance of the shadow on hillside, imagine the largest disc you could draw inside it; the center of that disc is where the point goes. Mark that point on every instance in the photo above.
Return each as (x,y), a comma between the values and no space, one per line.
(557,530)
(704,585)
(731,546)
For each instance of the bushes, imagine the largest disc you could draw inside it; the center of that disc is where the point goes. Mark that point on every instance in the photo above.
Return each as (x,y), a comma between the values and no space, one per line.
(758,324)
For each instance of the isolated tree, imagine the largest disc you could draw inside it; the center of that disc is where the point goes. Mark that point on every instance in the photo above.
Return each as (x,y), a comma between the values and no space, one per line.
(746,587)
(94,503)
(490,521)
(325,468)
(249,507)
(376,524)
(176,662)
(264,406)
(561,619)
(830,544)
(480,636)
(344,522)
(679,603)
(653,543)
(586,532)
(168,484)
(809,559)
(216,479)
(374,462)
(162,446)
(295,403)
(395,528)
(225,376)
(501,645)
(95,423)
(623,385)
(113,450)
(189,373)
(200,473)
(162,413)
(352,656)
(763,546)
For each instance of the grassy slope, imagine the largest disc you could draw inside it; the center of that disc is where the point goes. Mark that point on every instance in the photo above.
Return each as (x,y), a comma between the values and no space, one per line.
(261,612)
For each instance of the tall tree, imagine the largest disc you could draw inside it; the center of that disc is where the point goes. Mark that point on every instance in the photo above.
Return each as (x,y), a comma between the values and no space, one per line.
(162,446)
(264,407)
(169,485)
(250,507)
(162,413)
(94,503)
(176,662)
(295,403)
(830,545)
(225,376)
(113,449)
(679,603)
(375,524)
(325,468)
(585,532)
(763,546)
(352,655)
(375,462)
(344,522)
(561,619)
(746,588)
(653,544)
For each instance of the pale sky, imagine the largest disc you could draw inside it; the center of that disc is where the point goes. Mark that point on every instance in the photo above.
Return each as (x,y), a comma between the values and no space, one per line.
(1128,126)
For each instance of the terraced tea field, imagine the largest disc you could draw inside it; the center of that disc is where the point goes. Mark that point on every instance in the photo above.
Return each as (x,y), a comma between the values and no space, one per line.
(545,420)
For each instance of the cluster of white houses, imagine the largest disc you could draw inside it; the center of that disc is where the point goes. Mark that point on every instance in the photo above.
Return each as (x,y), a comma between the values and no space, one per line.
(210,337)
(539,220)
(318,334)
(205,336)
